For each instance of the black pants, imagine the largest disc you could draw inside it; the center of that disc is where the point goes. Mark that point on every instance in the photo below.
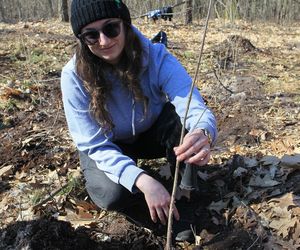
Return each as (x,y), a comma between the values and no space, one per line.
(156,142)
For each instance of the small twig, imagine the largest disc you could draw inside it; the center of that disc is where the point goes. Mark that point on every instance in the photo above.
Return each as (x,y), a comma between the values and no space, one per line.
(170,217)
(200,117)
(55,119)
(5,76)
(259,220)
(253,243)
(58,177)
(197,239)
(229,90)
(20,207)
(224,5)
(177,4)
(220,2)
(49,80)
(50,197)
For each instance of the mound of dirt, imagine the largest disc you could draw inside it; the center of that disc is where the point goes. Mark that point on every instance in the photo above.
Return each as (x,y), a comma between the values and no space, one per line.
(227,51)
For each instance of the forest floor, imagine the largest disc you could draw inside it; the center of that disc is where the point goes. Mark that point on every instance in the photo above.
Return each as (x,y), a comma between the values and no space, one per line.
(249,194)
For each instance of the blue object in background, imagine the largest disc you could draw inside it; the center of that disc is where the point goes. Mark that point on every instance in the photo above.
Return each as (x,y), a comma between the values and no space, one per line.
(154,14)
(165,13)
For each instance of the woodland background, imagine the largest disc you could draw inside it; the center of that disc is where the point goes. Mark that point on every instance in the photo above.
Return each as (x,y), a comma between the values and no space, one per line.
(272,10)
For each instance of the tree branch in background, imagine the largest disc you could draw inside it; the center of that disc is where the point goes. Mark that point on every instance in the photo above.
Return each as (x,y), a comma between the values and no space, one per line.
(219,81)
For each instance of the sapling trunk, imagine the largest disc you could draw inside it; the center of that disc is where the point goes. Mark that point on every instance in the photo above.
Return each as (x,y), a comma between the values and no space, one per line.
(170,218)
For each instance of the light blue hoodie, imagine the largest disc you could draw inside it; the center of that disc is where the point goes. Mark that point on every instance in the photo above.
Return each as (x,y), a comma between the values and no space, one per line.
(163,79)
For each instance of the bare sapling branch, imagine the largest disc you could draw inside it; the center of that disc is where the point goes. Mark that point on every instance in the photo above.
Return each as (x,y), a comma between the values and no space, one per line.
(170,216)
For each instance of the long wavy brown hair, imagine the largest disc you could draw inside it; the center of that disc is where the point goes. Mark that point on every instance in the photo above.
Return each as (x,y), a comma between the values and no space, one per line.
(92,70)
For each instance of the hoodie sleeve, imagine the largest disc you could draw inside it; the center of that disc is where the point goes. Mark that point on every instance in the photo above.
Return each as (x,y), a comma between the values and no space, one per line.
(89,137)
(176,83)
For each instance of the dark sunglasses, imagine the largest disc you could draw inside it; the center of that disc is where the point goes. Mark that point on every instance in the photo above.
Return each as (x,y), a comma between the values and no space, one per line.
(110,30)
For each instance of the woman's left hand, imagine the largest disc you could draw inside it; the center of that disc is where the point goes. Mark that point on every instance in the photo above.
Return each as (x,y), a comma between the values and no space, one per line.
(195,148)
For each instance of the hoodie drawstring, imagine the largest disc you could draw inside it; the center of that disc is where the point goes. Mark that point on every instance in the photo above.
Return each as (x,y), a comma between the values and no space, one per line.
(133,117)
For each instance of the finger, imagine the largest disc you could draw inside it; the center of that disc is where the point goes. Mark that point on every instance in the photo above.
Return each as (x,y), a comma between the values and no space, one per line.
(176,213)
(194,136)
(153,215)
(198,142)
(199,156)
(203,161)
(166,211)
(195,150)
(161,216)
(187,143)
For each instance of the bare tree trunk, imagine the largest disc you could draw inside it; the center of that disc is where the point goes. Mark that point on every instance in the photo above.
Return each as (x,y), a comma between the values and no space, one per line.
(64,11)
(19,8)
(195,9)
(273,10)
(264,10)
(188,12)
(2,17)
(149,5)
(51,8)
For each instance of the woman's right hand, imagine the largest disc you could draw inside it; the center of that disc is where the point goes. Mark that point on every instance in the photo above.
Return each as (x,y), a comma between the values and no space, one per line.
(157,198)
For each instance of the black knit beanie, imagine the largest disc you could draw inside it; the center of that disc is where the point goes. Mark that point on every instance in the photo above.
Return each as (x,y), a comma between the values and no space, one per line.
(84,12)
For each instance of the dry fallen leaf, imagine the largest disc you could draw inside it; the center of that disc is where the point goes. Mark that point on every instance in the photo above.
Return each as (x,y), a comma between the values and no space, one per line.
(291,161)
(284,226)
(165,171)
(283,146)
(218,206)
(270,160)
(5,171)
(86,205)
(278,212)
(182,193)
(296,234)
(288,201)
(266,181)
(83,214)
(250,162)
(239,172)
(203,175)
